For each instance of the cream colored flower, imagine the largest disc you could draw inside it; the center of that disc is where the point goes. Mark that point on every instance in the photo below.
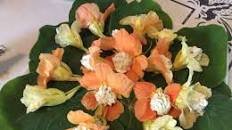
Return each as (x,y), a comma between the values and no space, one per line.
(165,122)
(66,36)
(166,34)
(35,97)
(191,57)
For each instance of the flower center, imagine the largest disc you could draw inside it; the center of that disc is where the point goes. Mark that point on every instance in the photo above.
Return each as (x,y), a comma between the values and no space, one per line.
(105,96)
(122,62)
(160,103)
(81,127)
(86,62)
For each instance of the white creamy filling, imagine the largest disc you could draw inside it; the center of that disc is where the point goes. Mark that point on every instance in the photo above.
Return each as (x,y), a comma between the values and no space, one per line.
(160,103)
(122,62)
(105,96)
(86,62)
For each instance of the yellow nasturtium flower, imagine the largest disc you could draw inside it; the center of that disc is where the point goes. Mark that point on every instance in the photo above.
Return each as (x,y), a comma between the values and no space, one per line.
(35,97)
(143,24)
(192,100)
(191,57)
(66,36)
(165,122)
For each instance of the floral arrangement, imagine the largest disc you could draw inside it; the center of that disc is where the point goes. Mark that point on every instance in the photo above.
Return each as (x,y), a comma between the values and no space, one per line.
(115,77)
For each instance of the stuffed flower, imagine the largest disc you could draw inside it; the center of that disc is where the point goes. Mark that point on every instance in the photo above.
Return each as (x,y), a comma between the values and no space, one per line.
(52,68)
(143,24)
(151,102)
(191,57)
(89,16)
(105,87)
(84,121)
(165,122)
(66,36)
(159,60)
(35,97)
(128,56)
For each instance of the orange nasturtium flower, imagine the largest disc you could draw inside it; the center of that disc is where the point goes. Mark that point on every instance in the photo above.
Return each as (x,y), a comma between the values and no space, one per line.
(152,102)
(84,121)
(160,58)
(128,56)
(105,86)
(88,15)
(51,67)
(143,24)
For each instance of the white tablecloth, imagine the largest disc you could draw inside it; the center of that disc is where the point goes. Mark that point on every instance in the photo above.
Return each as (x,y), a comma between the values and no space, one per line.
(20,21)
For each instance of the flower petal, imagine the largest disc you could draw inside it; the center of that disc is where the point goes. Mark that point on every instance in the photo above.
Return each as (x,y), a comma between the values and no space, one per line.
(77,117)
(105,43)
(102,71)
(160,63)
(143,111)
(89,101)
(59,52)
(144,90)
(114,111)
(174,112)
(90,81)
(172,90)
(127,43)
(120,84)
(187,118)
(108,11)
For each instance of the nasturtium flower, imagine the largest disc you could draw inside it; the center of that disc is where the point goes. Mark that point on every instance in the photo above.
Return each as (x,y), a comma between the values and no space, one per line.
(151,102)
(35,97)
(192,100)
(84,121)
(52,68)
(159,60)
(191,57)
(128,58)
(165,122)
(159,63)
(66,36)
(88,15)
(105,88)
(143,24)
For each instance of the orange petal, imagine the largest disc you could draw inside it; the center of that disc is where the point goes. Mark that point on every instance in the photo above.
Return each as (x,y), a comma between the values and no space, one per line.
(108,11)
(42,81)
(102,71)
(139,65)
(132,75)
(173,91)
(174,112)
(59,52)
(77,117)
(144,90)
(163,47)
(127,43)
(143,111)
(114,111)
(120,84)
(87,13)
(90,81)
(105,43)
(89,101)
(161,64)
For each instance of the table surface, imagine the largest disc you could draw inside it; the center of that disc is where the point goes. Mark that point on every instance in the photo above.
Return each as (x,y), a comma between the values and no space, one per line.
(21,20)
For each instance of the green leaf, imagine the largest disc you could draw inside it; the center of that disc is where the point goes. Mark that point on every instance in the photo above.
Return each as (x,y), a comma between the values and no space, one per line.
(213,40)
(136,8)
(13,113)
(218,114)
(223,89)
